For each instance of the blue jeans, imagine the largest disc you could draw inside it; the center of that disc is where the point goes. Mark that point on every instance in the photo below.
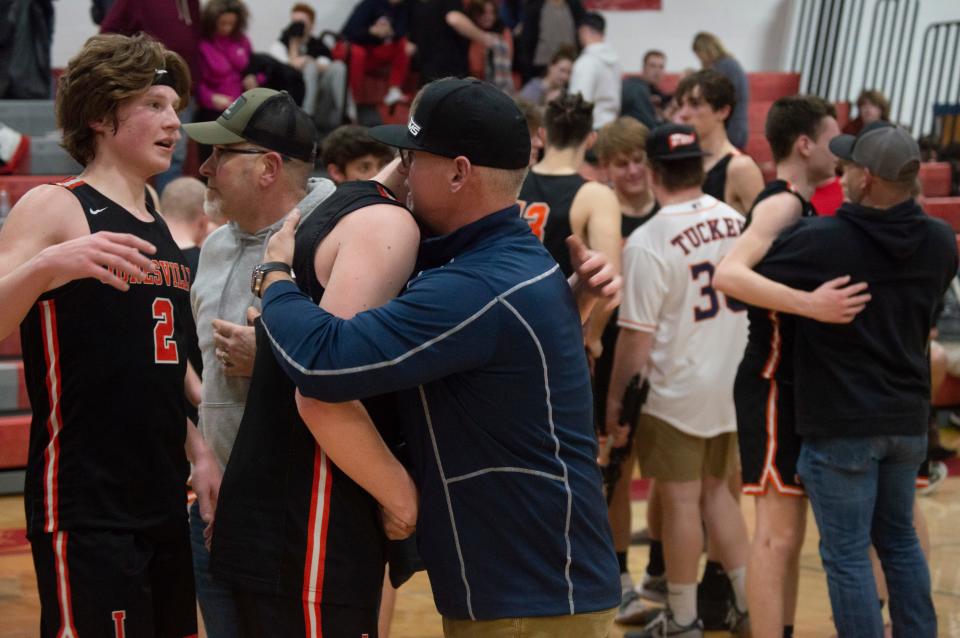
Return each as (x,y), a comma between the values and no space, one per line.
(218,604)
(861,490)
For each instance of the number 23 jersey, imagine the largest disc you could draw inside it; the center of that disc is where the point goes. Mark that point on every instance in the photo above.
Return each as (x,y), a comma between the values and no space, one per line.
(699,333)
(105,373)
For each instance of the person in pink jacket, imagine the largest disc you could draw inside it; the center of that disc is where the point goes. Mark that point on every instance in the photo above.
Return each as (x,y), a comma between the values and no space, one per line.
(224,56)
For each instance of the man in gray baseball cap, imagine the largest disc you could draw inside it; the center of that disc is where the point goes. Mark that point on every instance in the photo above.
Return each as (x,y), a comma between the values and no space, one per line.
(862,389)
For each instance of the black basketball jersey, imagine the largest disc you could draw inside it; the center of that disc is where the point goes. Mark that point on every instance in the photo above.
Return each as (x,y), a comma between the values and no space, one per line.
(545,202)
(771,334)
(289,522)
(715,181)
(629,223)
(104,371)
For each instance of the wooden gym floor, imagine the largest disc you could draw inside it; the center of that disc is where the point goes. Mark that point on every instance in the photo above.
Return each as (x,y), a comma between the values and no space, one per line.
(416,616)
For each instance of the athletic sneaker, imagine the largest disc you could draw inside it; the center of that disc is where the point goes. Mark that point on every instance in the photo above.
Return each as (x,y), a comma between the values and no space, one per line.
(631,610)
(938,472)
(714,600)
(664,626)
(393,96)
(654,588)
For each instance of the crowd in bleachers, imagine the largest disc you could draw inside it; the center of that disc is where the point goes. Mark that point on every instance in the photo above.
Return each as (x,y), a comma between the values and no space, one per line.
(593,134)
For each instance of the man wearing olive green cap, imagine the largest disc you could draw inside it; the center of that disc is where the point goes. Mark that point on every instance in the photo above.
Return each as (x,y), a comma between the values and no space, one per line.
(264,146)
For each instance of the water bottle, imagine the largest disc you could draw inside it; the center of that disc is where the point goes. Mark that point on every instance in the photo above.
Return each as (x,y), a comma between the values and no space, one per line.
(4,205)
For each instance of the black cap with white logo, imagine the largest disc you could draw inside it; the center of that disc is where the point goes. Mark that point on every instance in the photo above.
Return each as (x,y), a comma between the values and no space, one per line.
(669,142)
(464,117)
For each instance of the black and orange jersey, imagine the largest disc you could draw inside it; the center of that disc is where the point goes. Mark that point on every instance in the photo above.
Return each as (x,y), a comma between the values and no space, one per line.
(771,333)
(289,521)
(104,372)
(545,202)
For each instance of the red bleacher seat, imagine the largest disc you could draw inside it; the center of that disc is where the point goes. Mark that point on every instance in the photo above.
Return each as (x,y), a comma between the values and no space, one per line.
(946,208)
(843,113)
(10,347)
(767,87)
(17,185)
(757,116)
(758,148)
(949,392)
(14,441)
(935,178)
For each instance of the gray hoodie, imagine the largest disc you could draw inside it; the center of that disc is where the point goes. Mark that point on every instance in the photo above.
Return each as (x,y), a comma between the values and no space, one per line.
(596,75)
(222,291)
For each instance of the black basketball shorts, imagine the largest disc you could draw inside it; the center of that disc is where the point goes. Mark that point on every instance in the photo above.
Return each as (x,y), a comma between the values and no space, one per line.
(119,584)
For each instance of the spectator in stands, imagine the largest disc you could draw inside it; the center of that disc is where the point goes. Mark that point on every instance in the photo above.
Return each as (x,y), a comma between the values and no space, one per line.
(547,26)
(491,63)
(182,208)
(442,33)
(706,99)
(872,106)
(543,89)
(224,55)
(642,99)
(713,55)
(25,49)
(324,79)
(596,73)
(375,35)
(349,154)
(177,26)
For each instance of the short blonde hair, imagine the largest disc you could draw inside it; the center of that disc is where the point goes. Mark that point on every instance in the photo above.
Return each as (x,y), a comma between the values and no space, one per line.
(624,135)
(108,69)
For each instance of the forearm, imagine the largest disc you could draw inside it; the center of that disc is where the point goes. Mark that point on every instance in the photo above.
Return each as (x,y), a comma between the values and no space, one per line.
(194,446)
(460,23)
(346,434)
(19,290)
(586,302)
(744,284)
(630,358)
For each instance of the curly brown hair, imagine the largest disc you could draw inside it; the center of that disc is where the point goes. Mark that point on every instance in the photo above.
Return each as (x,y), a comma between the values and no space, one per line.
(213,9)
(108,69)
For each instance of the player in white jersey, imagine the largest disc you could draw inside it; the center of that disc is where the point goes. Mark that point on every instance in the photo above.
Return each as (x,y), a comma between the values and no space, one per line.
(687,340)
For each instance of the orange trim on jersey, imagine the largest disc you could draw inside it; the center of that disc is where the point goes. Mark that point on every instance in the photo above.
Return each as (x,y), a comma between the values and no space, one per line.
(772,420)
(51,455)
(71,183)
(773,361)
(64,597)
(921,483)
(316,544)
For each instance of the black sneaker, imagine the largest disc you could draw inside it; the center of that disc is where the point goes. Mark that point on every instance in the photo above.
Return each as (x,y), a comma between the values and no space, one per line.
(714,600)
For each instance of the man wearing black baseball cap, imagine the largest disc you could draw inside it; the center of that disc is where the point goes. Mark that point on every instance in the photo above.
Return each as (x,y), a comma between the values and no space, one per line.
(862,390)
(688,341)
(484,347)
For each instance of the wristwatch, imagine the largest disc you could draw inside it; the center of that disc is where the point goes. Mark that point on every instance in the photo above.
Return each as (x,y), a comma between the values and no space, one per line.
(260,271)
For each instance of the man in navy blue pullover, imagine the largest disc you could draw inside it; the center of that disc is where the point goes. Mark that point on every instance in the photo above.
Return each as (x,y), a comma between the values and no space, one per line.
(485,348)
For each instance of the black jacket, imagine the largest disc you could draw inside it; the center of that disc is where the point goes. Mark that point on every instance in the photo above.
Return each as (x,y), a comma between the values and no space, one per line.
(869,377)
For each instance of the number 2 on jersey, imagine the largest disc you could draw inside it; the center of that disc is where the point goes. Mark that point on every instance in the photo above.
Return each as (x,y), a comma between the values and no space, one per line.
(710,294)
(164,345)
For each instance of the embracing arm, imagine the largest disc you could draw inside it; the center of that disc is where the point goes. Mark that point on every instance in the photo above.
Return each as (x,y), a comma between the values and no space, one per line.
(833,302)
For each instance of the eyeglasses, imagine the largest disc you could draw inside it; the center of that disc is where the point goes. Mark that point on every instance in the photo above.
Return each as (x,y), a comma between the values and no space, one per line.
(406,157)
(219,151)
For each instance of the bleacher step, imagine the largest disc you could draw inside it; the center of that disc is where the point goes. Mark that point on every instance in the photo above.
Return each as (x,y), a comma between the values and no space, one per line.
(47,157)
(30,117)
